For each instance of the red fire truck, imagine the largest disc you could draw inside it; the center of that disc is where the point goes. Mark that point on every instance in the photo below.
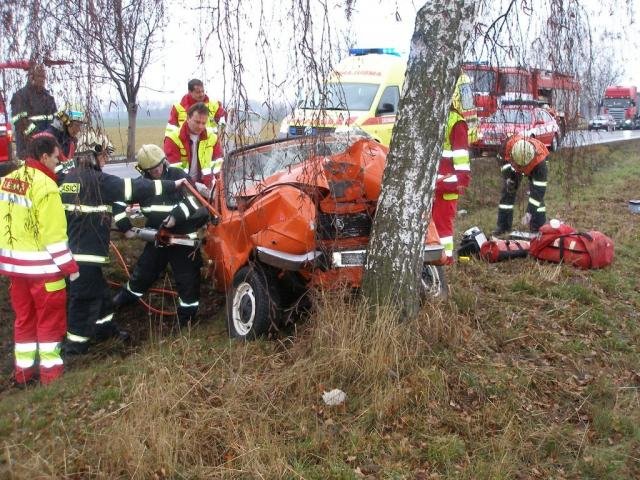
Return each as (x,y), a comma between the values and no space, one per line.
(493,85)
(622,104)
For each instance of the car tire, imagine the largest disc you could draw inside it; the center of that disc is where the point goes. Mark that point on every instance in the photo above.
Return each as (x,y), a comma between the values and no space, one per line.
(554,143)
(433,283)
(252,305)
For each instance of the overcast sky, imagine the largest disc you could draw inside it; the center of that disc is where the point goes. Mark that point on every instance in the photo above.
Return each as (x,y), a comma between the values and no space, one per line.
(374,23)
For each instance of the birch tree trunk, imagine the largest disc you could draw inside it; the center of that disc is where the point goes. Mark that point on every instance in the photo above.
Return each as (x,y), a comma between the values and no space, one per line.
(394,259)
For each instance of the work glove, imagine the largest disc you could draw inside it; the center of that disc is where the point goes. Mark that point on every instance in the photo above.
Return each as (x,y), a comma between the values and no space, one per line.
(129,234)
(169,222)
(526,219)
(74,276)
(203,189)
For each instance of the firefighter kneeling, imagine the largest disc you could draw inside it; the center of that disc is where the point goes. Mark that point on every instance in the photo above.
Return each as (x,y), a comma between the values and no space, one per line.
(173,214)
(523,156)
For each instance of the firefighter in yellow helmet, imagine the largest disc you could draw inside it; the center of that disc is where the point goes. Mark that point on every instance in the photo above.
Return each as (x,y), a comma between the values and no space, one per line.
(178,215)
(454,169)
(523,156)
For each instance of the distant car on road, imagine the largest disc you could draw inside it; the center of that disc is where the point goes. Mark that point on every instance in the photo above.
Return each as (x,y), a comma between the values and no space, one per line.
(602,122)
(527,120)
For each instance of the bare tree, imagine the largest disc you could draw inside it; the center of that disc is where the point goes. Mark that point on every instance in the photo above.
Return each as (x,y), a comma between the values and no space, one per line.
(115,39)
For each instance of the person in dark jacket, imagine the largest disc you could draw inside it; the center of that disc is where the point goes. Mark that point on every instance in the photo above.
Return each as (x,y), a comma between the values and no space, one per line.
(32,109)
(65,128)
(178,215)
(87,195)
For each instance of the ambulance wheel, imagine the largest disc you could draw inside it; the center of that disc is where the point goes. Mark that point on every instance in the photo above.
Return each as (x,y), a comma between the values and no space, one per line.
(252,306)
(554,143)
(433,283)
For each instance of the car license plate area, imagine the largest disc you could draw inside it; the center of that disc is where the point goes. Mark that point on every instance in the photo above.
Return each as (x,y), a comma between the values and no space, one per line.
(349,258)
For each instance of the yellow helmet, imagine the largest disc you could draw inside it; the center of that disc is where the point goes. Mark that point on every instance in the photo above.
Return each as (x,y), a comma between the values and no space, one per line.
(522,152)
(149,156)
(462,99)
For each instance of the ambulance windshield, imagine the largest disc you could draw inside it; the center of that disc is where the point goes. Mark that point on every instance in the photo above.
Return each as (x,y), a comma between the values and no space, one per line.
(342,96)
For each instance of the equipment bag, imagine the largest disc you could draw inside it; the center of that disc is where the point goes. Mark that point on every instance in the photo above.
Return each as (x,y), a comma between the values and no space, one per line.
(583,250)
(498,250)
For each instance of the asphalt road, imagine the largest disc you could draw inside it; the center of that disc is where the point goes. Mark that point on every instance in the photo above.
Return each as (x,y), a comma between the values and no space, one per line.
(573,139)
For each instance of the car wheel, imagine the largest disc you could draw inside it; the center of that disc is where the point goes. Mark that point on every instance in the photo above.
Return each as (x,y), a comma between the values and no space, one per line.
(252,306)
(554,143)
(433,283)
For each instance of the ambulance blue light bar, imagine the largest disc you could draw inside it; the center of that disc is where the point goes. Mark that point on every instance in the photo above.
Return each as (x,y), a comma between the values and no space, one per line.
(356,52)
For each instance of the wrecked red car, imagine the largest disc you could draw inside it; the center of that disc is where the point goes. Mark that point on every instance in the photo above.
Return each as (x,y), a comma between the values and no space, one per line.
(293,215)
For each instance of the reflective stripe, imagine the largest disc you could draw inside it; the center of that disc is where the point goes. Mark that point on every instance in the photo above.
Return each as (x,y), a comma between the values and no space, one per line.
(26,347)
(447,243)
(80,257)
(462,167)
(25,354)
(39,118)
(450,196)
(55,285)
(216,166)
(447,153)
(534,202)
(29,129)
(158,208)
(129,290)
(62,259)
(128,189)
(106,319)
(539,184)
(15,198)
(187,305)
(87,208)
(506,167)
(158,185)
(206,171)
(450,179)
(541,209)
(122,204)
(192,235)
(193,202)
(460,153)
(119,216)
(76,338)
(57,247)
(184,209)
(504,206)
(18,116)
(28,269)
(50,354)
(22,255)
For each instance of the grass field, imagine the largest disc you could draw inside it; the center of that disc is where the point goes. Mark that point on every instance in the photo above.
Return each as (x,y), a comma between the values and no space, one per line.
(529,371)
(146,133)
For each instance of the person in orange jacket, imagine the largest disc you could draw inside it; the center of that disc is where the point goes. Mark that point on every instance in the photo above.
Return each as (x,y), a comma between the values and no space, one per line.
(35,254)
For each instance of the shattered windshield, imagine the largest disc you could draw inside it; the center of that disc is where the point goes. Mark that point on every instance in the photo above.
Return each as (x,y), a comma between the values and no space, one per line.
(342,96)
(244,171)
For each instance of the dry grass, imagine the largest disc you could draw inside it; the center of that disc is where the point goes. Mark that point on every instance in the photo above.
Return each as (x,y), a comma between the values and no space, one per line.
(529,371)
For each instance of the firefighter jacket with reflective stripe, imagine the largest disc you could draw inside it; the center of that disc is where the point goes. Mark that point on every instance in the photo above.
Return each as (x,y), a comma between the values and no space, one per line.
(177,148)
(541,154)
(88,195)
(182,206)
(454,169)
(67,143)
(178,114)
(32,112)
(33,242)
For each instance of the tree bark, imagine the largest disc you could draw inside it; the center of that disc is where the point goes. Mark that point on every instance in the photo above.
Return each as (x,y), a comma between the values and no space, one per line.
(394,259)
(132,113)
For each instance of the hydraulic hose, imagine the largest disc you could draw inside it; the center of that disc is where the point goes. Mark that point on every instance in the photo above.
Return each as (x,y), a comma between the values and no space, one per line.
(149,307)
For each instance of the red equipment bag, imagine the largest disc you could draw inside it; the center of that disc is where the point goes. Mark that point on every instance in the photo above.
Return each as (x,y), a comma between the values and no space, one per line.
(498,250)
(583,250)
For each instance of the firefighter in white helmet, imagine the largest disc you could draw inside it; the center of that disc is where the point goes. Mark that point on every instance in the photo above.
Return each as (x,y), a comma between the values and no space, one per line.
(454,169)
(179,214)
(523,156)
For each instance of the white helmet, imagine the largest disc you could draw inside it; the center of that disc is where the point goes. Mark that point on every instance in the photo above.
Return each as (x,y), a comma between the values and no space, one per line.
(522,152)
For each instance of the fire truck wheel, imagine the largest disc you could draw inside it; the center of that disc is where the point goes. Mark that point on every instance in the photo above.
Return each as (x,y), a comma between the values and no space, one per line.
(554,143)
(252,306)
(433,283)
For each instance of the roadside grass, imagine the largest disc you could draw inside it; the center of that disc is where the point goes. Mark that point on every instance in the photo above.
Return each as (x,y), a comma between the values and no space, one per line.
(531,370)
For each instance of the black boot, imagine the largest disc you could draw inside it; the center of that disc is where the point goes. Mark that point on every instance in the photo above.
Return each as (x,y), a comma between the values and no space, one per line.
(124,297)
(111,330)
